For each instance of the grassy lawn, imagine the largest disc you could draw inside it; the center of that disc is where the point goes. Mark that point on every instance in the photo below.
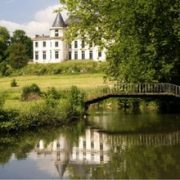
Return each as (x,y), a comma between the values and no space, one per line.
(84,81)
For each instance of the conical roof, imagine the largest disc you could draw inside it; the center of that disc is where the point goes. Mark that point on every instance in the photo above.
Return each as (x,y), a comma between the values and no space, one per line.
(59,21)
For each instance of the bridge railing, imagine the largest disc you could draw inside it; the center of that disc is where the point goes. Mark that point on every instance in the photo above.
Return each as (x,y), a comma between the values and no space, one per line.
(147,88)
(138,88)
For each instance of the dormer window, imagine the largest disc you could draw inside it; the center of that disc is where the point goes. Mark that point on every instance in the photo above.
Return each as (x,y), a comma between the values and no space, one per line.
(56,33)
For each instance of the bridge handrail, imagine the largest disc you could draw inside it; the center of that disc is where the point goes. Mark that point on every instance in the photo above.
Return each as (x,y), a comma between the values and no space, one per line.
(143,88)
(140,88)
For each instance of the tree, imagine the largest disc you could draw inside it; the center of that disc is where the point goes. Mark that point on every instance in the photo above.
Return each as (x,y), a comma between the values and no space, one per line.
(19,36)
(17,55)
(142,37)
(4,41)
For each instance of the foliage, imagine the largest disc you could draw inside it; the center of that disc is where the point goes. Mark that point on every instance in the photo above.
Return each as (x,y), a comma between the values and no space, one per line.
(13,83)
(52,93)
(4,41)
(17,55)
(15,51)
(2,101)
(52,96)
(5,69)
(30,92)
(68,67)
(76,98)
(142,37)
(19,36)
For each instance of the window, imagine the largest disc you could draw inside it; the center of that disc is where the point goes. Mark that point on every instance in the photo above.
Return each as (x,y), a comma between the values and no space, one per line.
(75,44)
(56,33)
(70,46)
(77,154)
(44,55)
(83,44)
(83,55)
(75,55)
(36,44)
(101,146)
(56,54)
(90,55)
(58,145)
(101,158)
(36,55)
(50,54)
(56,44)
(92,145)
(70,57)
(99,54)
(84,144)
(44,43)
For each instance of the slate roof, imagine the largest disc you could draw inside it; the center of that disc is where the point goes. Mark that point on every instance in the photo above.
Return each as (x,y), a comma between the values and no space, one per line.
(59,21)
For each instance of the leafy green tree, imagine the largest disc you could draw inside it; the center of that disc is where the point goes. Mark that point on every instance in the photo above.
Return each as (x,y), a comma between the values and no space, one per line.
(19,36)
(142,37)
(17,55)
(4,41)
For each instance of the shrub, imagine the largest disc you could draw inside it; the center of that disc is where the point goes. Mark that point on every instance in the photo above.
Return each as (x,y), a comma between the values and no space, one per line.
(68,67)
(2,101)
(5,69)
(52,93)
(76,98)
(32,92)
(13,83)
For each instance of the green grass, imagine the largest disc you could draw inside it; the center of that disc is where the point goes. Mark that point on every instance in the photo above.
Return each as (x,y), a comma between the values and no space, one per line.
(83,81)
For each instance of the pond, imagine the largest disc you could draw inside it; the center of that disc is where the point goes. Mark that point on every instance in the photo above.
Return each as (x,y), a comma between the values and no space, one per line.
(108,144)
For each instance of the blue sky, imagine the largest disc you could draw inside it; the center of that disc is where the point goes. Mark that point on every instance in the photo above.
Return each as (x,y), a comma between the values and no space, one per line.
(27,14)
(21,11)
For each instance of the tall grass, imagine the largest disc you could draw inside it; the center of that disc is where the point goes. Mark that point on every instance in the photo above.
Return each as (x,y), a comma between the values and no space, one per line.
(68,67)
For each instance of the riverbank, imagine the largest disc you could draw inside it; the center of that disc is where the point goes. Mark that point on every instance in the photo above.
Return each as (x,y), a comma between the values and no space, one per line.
(45,108)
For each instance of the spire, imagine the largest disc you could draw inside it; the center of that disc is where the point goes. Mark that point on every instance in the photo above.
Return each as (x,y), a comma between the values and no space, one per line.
(59,22)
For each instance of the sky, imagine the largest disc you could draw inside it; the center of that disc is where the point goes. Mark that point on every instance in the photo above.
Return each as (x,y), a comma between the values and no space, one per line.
(32,16)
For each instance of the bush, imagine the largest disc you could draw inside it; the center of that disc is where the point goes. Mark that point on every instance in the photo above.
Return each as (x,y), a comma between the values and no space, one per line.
(52,93)
(5,69)
(32,92)
(68,67)
(76,98)
(2,101)
(13,83)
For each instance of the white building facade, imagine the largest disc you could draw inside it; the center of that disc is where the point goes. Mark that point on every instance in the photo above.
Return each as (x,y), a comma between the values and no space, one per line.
(54,49)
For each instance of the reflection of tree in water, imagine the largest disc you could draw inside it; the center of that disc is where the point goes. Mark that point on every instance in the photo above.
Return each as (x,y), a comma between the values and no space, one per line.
(145,156)
(21,144)
(94,154)
(118,156)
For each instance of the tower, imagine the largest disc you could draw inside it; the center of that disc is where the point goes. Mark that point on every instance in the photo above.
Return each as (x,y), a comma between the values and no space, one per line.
(52,48)
(58,28)
(57,32)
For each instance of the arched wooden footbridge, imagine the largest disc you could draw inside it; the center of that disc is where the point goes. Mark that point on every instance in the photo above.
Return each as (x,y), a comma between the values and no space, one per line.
(133,90)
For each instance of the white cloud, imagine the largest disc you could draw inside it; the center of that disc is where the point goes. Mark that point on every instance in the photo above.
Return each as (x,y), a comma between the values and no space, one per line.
(39,25)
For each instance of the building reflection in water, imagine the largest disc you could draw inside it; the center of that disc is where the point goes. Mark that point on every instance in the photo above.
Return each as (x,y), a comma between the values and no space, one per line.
(94,147)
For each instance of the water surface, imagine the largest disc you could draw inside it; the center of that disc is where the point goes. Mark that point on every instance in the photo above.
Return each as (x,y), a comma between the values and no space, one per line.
(106,145)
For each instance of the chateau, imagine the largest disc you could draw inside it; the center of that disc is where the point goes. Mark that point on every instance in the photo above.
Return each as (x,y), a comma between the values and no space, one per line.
(54,49)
